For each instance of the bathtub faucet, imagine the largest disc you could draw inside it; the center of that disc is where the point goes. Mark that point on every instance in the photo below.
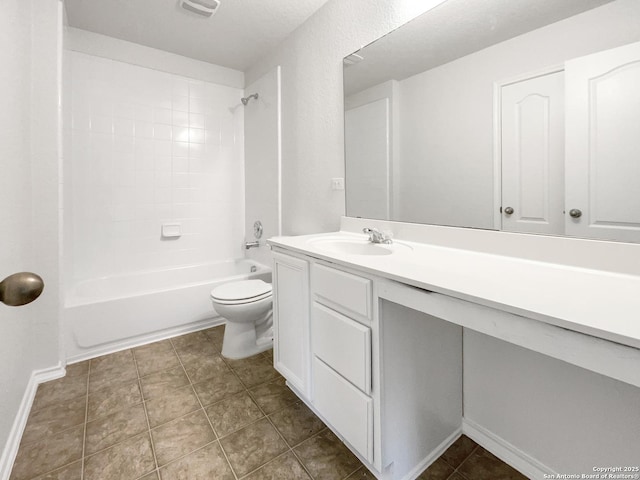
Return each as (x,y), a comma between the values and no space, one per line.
(248,245)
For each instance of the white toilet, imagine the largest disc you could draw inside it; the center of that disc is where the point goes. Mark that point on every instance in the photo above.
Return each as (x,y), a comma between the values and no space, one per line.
(247,306)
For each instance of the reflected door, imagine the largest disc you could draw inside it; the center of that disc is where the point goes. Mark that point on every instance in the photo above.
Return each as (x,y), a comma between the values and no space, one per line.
(532,134)
(603,145)
(367,171)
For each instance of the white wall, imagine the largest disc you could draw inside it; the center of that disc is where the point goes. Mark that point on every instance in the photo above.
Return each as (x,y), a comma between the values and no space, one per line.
(568,418)
(262,162)
(446,114)
(311,60)
(147,148)
(312,103)
(29,80)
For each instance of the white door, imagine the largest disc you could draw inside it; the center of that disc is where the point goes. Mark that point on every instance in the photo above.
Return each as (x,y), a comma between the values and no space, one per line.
(29,35)
(603,145)
(367,171)
(533,155)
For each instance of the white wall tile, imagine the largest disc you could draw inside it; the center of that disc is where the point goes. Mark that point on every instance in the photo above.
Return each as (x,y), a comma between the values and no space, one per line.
(140,156)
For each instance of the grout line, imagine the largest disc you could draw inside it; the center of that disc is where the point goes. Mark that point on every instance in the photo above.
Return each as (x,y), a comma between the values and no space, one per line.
(146,414)
(265,464)
(86,419)
(457,469)
(215,433)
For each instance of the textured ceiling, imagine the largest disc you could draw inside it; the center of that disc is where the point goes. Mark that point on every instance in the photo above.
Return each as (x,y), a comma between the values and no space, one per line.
(237,36)
(452,30)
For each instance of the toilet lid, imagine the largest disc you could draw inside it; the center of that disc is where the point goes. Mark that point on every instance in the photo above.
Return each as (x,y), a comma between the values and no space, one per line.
(243,290)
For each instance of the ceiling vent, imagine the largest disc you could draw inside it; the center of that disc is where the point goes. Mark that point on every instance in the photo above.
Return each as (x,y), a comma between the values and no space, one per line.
(206,8)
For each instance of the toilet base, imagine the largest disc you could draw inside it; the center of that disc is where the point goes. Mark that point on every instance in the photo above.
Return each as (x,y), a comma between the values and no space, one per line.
(240,341)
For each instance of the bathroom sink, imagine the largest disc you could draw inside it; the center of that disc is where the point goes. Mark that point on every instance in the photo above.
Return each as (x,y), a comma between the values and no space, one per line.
(356,246)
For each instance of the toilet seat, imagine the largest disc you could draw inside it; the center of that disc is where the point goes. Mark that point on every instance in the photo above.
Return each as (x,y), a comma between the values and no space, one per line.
(245,291)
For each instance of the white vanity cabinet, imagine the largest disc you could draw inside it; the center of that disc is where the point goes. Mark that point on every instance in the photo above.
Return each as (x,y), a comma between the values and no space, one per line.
(385,378)
(341,344)
(291,351)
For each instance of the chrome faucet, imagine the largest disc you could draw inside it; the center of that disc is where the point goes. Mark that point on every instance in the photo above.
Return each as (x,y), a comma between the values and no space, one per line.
(376,236)
(248,245)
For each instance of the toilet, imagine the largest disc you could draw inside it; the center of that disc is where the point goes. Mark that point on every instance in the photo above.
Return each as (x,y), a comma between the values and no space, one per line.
(247,307)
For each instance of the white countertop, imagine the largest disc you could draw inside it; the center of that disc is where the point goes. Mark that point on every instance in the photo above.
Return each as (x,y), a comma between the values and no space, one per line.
(594,302)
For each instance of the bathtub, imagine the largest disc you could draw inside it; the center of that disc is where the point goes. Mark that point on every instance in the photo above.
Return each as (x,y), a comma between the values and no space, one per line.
(109,314)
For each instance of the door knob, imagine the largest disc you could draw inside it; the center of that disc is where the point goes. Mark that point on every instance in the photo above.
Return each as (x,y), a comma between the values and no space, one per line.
(508,211)
(20,288)
(575,213)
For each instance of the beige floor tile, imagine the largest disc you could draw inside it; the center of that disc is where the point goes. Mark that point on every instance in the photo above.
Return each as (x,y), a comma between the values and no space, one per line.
(48,454)
(160,384)
(268,355)
(459,451)
(205,368)
(326,458)
(108,377)
(253,446)
(108,400)
(254,370)
(130,459)
(117,360)
(119,447)
(284,467)
(183,341)
(456,476)
(233,413)
(273,396)
(59,391)
(198,350)
(111,429)
(297,423)
(208,463)
(156,357)
(216,334)
(69,472)
(181,436)
(78,369)
(112,369)
(221,386)
(438,470)
(54,418)
(151,476)
(174,404)
(362,474)
(483,465)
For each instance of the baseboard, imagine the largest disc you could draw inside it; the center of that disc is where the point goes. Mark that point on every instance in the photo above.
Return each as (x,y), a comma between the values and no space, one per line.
(506,452)
(20,421)
(139,340)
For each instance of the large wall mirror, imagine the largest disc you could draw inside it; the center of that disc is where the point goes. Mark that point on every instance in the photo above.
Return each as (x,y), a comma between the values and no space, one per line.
(515,115)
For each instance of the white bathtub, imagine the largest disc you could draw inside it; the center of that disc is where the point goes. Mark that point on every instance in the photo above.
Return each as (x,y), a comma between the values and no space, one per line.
(109,314)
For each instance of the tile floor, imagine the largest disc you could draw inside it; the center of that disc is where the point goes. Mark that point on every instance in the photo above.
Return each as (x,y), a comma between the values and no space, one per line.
(175,409)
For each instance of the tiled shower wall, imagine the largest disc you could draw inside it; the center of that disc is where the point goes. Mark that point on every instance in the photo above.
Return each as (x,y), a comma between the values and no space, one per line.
(146,148)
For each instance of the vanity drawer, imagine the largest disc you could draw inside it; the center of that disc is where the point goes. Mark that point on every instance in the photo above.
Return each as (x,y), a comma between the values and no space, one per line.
(343,344)
(344,407)
(342,289)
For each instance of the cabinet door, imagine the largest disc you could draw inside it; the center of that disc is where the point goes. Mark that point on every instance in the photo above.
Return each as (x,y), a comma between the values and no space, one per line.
(533,155)
(603,144)
(291,320)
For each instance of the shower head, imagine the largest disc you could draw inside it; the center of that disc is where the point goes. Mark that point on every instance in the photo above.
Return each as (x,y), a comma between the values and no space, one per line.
(245,100)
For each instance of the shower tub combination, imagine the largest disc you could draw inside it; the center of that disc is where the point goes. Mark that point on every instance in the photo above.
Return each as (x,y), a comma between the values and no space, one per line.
(109,314)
